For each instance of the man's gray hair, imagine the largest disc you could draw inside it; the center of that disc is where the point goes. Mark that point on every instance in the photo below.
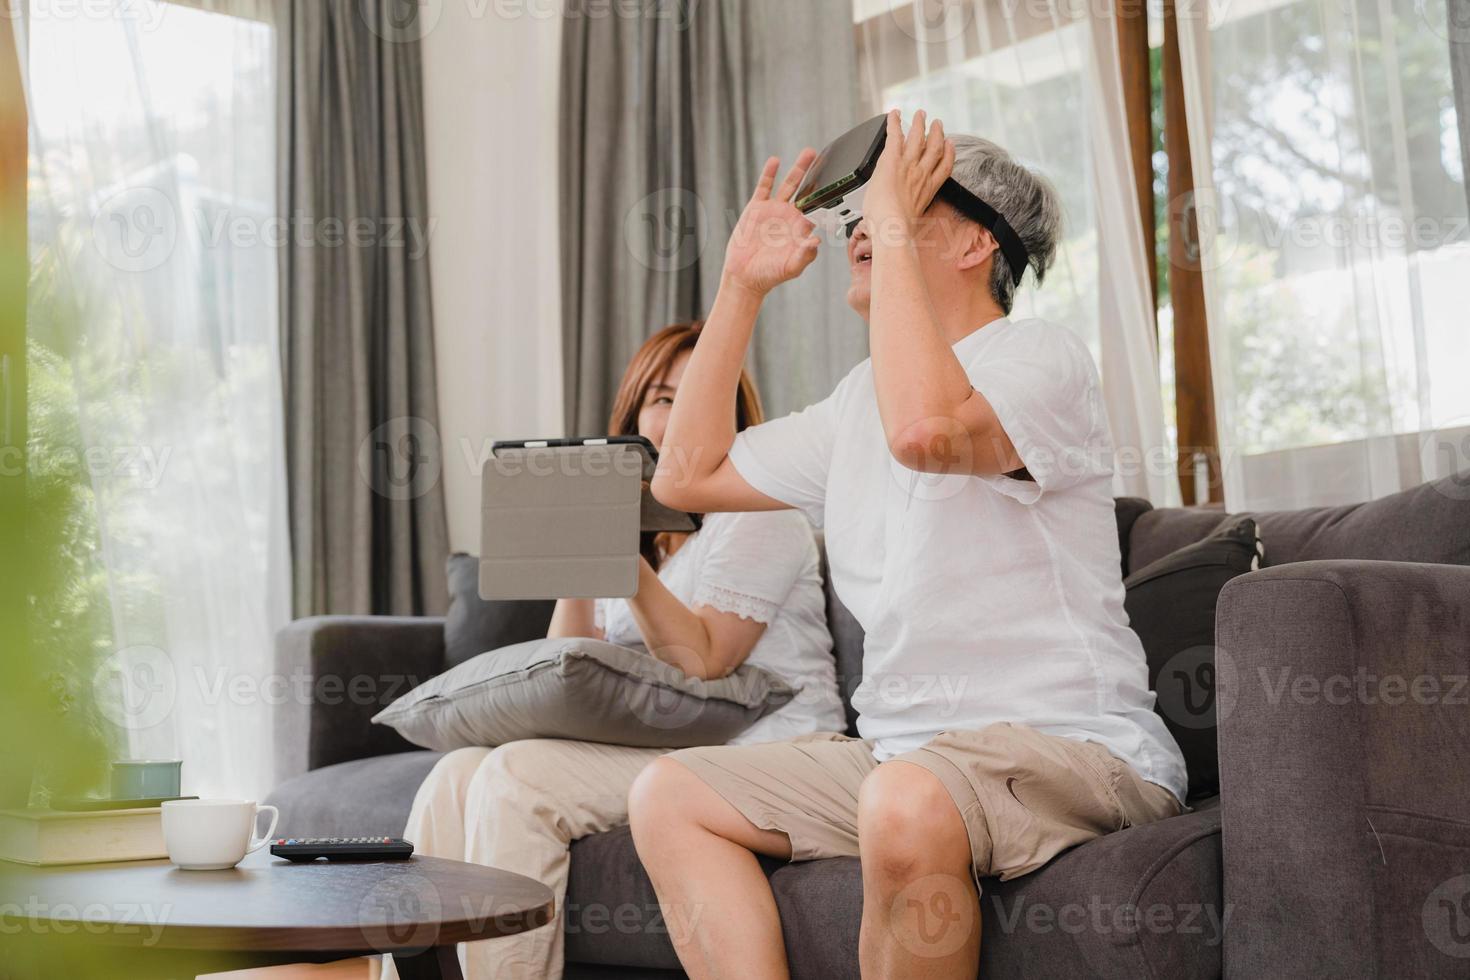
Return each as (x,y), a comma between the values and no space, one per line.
(1027,201)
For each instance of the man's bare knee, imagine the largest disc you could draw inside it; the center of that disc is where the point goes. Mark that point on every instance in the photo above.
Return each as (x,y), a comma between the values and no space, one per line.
(668,799)
(908,825)
(662,798)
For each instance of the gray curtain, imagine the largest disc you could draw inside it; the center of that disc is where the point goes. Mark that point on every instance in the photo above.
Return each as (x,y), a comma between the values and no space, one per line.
(368,527)
(666,120)
(1458,13)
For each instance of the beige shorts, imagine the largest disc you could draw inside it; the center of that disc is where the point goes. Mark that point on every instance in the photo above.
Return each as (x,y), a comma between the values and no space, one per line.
(1025,797)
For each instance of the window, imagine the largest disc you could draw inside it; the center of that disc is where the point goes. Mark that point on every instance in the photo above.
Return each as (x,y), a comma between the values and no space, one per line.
(1336,275)
(153,368)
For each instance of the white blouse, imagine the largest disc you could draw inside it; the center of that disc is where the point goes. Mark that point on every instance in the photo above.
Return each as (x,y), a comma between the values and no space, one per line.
(761,566)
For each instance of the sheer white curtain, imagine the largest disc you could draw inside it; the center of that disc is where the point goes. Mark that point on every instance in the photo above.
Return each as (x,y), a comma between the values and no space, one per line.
(1334,243)
(1042,79)
(152,329)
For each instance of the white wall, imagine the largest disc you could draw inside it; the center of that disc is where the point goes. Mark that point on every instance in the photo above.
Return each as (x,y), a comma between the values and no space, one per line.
(490,104)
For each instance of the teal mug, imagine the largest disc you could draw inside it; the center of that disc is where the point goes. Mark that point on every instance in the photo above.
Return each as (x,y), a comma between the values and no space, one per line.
(145,779)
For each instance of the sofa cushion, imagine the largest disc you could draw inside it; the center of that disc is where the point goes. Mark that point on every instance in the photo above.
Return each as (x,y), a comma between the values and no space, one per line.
(364,797)
(1171,606)
(585,689)
(473,625)
(1144,902)
(612,913)
(1429,523)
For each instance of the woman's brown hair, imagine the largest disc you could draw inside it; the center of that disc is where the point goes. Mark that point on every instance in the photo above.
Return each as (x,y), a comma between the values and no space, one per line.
(649,364)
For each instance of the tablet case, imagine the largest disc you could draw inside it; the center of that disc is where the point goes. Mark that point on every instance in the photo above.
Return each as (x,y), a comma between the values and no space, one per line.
(544,535)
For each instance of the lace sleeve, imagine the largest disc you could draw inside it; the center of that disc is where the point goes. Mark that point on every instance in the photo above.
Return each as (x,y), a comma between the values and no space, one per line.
(728,600)
(753,561)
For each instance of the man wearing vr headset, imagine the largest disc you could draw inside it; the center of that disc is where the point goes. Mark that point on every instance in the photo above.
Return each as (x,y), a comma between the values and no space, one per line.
(963,476)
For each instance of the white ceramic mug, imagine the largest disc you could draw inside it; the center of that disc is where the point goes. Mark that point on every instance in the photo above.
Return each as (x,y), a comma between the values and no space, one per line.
(210,835)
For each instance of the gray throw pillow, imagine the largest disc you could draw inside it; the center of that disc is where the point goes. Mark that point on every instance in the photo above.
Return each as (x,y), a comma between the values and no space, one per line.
(580,689)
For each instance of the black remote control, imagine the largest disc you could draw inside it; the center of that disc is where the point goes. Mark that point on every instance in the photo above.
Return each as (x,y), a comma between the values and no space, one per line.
(341,848)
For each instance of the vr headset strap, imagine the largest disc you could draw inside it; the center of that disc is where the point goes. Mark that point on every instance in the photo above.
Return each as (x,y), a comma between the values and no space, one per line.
(962,200)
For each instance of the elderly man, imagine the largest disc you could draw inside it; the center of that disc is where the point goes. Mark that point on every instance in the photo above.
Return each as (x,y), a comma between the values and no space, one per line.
(963,475)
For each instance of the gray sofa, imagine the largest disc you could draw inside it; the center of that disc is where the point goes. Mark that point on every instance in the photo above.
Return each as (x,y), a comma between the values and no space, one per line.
(1333,848)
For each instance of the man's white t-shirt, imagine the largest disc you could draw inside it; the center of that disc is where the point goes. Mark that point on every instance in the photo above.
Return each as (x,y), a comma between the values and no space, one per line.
(984,599)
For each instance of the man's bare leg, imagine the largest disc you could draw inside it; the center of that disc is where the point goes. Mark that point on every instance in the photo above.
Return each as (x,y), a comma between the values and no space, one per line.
(700,852)
(921,912)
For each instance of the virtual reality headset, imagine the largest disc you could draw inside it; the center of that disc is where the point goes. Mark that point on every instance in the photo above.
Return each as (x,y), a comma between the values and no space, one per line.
(832,193)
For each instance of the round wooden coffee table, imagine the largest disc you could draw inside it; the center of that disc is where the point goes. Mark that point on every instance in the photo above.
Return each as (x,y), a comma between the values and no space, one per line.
(174,923)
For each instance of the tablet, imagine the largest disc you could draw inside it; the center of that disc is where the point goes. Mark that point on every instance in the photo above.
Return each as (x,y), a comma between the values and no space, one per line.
(562,517)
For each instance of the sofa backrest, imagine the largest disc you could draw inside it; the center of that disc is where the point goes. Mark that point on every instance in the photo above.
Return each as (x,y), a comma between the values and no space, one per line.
(1429,523)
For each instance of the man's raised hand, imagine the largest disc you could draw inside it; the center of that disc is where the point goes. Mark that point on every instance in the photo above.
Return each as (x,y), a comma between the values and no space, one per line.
(910,172)
(773,242)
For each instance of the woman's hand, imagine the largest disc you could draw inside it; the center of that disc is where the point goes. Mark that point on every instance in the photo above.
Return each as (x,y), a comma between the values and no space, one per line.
(773,242)
(910,172)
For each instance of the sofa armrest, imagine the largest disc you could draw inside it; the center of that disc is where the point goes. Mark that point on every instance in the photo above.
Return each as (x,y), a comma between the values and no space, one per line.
(1342,698)
(340,671)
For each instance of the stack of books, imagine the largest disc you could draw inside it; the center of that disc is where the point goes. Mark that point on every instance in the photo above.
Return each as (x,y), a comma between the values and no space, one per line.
(42,837)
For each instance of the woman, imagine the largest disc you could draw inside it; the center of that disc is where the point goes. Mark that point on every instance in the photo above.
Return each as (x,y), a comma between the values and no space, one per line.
(746,588)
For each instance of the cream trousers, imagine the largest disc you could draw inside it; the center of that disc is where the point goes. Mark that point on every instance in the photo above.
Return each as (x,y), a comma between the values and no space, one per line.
(518,808)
